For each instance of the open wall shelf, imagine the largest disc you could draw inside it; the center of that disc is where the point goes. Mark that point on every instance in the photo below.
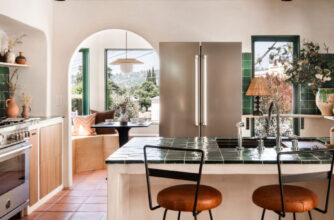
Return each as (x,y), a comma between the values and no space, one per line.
(13,65)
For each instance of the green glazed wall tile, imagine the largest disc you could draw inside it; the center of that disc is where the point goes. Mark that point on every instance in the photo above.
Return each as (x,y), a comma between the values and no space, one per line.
(4,91)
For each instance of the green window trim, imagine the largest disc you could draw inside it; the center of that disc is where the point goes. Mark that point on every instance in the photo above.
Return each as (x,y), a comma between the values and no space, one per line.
(295,39)
(85,81)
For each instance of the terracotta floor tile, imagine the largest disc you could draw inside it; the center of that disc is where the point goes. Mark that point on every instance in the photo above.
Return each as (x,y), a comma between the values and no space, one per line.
(96,200)
(100,192)
(80,192)
(87,216)
(64,208)
(54,199)
(87,186)
(72,200)
(44,207)
(55,216)
(86,199)
(93,208)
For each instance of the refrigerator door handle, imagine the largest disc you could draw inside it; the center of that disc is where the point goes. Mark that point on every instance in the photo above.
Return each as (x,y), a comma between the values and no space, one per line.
(196,91)
(205,89)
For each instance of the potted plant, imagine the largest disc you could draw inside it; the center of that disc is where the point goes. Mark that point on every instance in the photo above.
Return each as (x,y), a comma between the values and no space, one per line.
(312,69)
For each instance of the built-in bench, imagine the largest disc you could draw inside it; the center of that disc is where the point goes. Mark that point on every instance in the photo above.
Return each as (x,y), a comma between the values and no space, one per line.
(89,152)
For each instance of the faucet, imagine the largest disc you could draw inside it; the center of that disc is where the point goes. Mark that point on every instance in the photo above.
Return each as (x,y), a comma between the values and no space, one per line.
(278,132)
(240,125)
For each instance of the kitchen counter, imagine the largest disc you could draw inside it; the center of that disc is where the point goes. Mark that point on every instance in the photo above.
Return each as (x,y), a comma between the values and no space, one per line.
(132,152)
(236,174)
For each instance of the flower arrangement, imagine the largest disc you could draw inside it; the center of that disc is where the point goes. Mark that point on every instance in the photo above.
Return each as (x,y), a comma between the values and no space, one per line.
(15,40)
(311,68)
(12,82)
(25,99)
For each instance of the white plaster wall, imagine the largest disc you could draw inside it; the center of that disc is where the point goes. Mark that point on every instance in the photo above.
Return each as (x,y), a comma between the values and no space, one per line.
(34,18)
(97,45)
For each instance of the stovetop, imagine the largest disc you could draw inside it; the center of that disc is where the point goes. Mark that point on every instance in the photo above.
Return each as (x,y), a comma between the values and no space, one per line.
(5,122)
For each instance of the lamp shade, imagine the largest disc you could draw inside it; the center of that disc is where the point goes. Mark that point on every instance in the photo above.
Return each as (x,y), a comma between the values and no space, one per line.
(126,67)
(258,87)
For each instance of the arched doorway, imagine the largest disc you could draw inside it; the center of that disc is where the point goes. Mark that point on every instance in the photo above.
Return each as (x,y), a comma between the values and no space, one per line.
(95,84)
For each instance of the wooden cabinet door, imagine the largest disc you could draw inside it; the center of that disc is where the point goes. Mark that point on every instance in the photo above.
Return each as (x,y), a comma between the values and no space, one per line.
(33,167)
(51,142)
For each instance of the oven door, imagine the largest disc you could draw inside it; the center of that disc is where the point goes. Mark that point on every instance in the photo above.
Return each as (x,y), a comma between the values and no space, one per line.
(14,179)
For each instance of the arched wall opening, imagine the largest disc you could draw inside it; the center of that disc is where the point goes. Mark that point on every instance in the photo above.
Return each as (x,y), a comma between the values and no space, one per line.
(104,47)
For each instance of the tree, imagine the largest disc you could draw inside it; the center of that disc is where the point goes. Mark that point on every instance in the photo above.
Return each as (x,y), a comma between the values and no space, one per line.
(148,75)
(154,80)
(146,91)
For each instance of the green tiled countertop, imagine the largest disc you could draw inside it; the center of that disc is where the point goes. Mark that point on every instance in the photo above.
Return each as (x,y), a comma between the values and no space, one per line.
(132,152)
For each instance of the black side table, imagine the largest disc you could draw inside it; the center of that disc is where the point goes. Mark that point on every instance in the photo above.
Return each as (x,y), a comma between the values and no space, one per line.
(123,130)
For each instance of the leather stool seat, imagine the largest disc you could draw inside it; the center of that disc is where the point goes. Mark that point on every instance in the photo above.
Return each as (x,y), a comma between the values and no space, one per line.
(182,198)
(296,199)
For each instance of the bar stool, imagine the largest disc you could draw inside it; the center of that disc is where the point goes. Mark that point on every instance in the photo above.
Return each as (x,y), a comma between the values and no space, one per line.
(193,198)
(284,199)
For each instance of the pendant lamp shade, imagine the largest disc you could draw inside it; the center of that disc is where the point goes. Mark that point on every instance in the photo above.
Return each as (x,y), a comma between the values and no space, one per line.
(126,64)
(126,67)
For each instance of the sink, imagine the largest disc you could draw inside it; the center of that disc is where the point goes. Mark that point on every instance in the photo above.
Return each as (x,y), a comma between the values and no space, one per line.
(246,142)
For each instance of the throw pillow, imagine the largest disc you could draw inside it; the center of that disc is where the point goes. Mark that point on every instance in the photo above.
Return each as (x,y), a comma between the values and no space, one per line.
(82,125)
(101,117)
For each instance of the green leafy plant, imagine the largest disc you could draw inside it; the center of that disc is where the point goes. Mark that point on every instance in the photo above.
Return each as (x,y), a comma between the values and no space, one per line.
(311,68)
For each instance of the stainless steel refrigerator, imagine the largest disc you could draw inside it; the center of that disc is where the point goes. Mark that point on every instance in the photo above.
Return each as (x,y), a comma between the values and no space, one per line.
(200,89)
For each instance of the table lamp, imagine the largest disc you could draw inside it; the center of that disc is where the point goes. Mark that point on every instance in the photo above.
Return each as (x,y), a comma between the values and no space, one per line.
(257,88)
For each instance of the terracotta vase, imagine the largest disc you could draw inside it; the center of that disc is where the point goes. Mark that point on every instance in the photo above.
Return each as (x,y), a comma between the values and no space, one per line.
(324,101)
(20,59)
(12,110)
(26,111)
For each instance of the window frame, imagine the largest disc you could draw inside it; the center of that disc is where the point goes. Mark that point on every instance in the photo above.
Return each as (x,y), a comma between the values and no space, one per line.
(295,39)
(85,81)
(106,69)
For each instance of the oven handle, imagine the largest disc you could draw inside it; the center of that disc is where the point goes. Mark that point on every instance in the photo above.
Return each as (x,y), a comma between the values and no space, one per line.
(15,151)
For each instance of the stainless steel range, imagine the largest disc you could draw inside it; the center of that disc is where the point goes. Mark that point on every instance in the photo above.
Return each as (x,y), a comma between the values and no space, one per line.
(14,167)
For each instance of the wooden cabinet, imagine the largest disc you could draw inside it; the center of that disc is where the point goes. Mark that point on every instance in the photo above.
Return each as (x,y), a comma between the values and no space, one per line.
(33,167)
(50,158)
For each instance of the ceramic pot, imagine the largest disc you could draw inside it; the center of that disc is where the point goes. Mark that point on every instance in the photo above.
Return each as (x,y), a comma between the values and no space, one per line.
(12,110)
(324,101)
(20,59)
(10,57)
(26,110)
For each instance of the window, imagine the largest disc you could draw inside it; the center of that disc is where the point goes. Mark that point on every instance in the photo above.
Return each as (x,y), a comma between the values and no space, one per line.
(80,82)
(270,55)
(140,87)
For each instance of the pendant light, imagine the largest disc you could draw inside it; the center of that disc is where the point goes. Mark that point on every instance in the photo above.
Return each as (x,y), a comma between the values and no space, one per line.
(126,64)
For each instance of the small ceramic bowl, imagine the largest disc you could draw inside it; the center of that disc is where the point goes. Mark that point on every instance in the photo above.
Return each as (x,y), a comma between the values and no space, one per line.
(134,120)
(141,120)
(109,121)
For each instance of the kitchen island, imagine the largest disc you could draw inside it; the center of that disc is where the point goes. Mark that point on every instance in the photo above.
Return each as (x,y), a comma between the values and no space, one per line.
(235,173)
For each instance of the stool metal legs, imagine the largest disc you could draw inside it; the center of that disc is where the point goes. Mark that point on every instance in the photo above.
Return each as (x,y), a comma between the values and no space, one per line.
(210,215)
(279,217)
(165,213)
(179,215)
(263,212)
(310,215)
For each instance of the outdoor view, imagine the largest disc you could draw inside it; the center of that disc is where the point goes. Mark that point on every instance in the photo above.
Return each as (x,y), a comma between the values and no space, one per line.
(77,83)
(140,87)
(270,58)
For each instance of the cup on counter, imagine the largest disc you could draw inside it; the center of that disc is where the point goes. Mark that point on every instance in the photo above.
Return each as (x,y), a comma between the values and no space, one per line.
(141,120)
(134,120)
(109,121)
